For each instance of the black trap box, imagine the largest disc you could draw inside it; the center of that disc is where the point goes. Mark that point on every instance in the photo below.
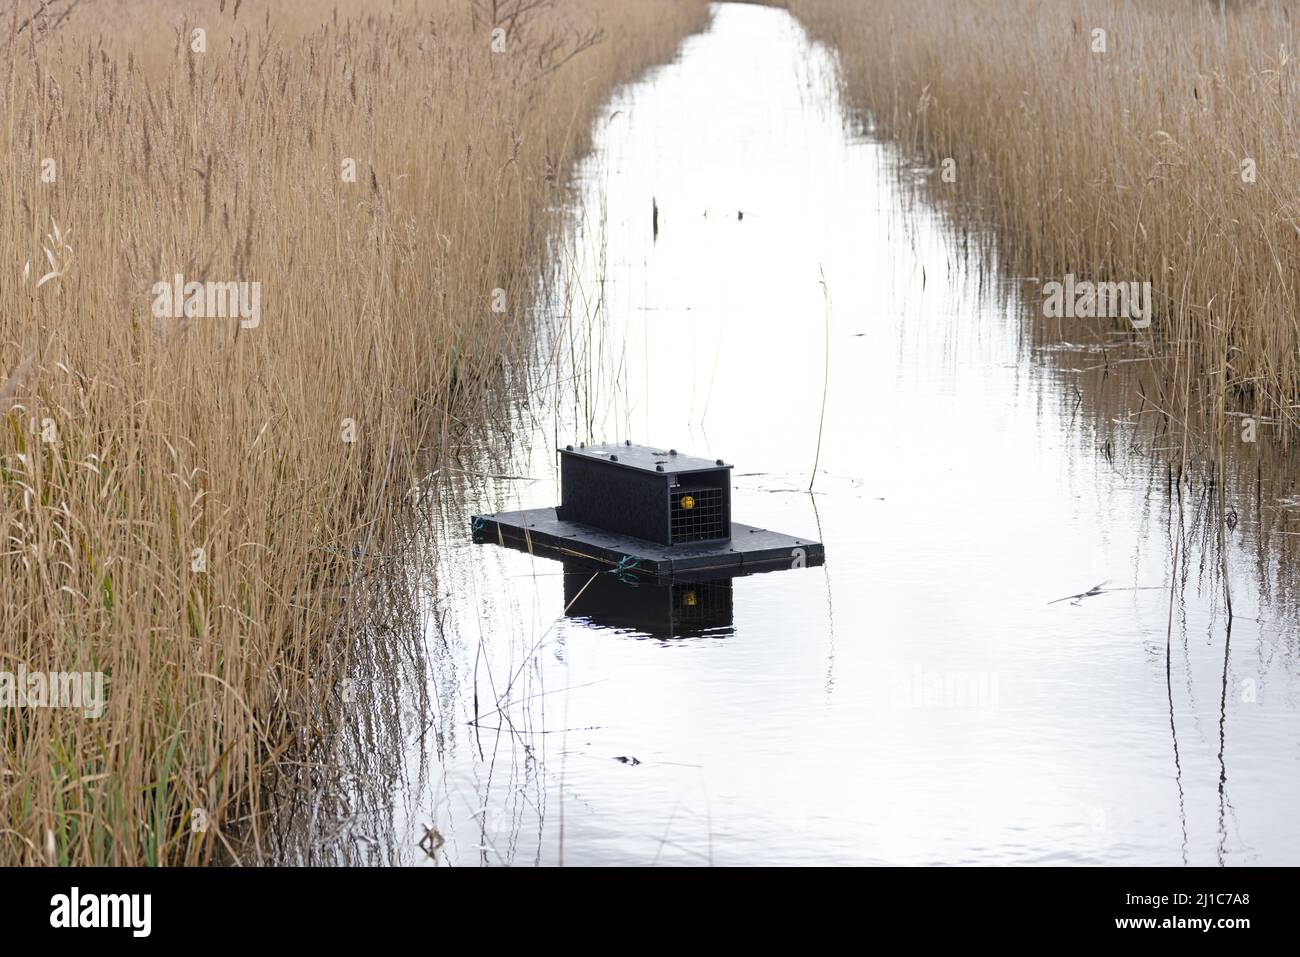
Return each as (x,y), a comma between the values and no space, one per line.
(646,512)
(656,496)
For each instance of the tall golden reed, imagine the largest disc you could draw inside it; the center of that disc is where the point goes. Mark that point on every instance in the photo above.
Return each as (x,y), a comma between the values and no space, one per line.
(180,505)
(1162,148)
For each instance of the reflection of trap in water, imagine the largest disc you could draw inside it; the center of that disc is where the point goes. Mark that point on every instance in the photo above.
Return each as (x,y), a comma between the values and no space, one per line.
(676,609)
(659,512)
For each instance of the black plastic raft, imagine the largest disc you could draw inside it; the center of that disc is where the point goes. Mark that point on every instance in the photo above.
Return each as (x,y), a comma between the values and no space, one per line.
(647,512)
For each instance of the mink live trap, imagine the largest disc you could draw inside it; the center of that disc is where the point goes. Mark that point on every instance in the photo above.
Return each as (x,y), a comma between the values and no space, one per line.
(649,512)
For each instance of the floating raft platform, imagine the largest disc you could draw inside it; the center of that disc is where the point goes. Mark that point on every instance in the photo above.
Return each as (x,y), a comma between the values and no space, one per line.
(541,532)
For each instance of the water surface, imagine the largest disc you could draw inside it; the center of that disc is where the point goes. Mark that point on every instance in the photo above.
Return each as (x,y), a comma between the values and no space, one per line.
(749,277)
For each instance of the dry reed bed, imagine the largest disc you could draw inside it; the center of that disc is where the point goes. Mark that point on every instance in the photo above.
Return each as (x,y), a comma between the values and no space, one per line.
(1123,165)
(128,441)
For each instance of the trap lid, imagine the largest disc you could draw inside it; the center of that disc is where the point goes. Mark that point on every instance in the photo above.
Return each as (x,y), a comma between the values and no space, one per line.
(645,458)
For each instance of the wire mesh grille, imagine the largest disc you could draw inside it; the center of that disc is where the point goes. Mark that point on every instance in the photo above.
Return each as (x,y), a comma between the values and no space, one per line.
(698,514)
